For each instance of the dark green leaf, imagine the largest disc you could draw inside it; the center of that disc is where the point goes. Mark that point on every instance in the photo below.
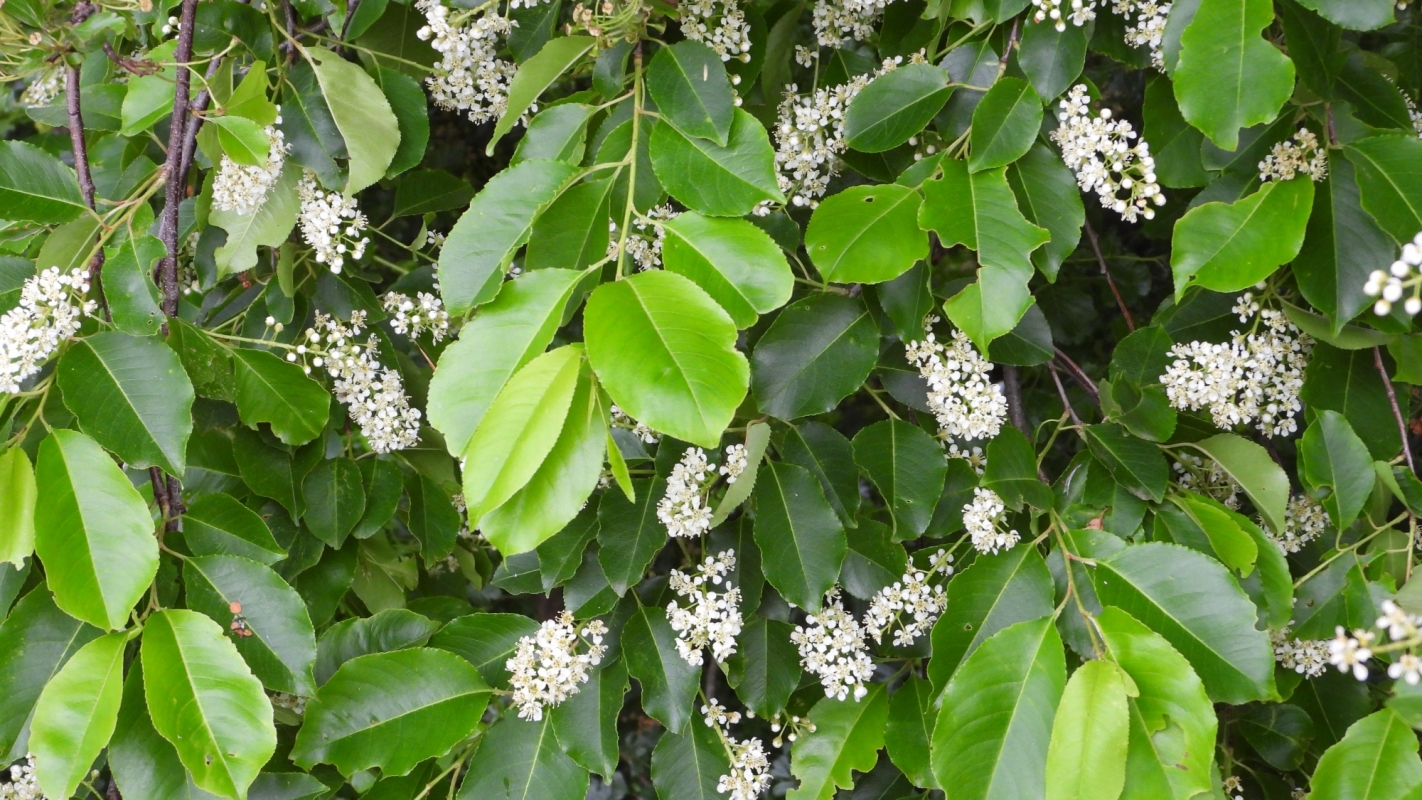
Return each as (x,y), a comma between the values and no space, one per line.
(895,106)
(486,641)
(799,535)
(830,458)
(1334,462)
(586,723)
(668,683)
(908,468)
(217,524)
(817,352)
(1377,759)
(335,500)
(1005,124)
(520,760)
(1347,381)
(36,187)
(1279,733)
(629,534)
(689,766)
(1012,471)
(910,730)
(1390,182)
(719,181)
(391,629)
(766,666)
(429,190)
(1137,464)
(278,392)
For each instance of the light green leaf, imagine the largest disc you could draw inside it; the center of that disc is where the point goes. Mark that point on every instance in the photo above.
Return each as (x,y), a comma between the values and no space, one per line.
(1252,468)
(1005,124)
(142,762)
(76,714)
(818,351)
(268,226)
(738,264)
(1232,246)
(847,737)
(866,234)
(895,106)
(1228,542)
(718,181)
(1357,15)
(1087,756)
(520,760)
(242,140)
(1228,77)
(1335,464)
(280,393)
(362,114)
(1376,759)
(93,531)
(17,507)
(37,187)
(535,75)
(391,629)
(689,84)
(800,538)
(757,440)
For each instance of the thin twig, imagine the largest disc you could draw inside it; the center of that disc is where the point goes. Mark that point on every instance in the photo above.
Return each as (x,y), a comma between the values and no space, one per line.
(168,267)
(81,169)
(1011,43)
(1012,382)
(288,47)
(1100,259)
(1061,392)
(195,123)
(1079,376)
(1396,411)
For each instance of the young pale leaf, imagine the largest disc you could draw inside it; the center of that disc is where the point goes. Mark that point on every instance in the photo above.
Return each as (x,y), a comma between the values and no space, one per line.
(995,725)
(668,682)
(76,714)
(335,500)
(132,395)
(1335,463)
(93,531)
(1229,247)
(689,766)
(535,75)
(689,84)
(1228,77)
(1377,759)
(280,393)
(738,264)
(1251,467)
(37,187)
(895,106)
(718,181)
(801,538)
(205,701)
(847,737)
(392,711)
(818,351)
(17,507)
(362,114)
(908,468)
(520,760)
(866,234)
(757,440)
(1005,124)
(665,352)
(1087,756)
(242,140)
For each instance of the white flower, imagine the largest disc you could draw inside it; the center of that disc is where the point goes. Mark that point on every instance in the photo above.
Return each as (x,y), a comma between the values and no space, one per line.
(735,463)
(469,75)
(1079,12)
(832,647)
(641,431)
(23,785)
(1408,667)
(683,508)
(43,89)
(424,314)
(975,456)
(374,395)
(912,596)
(643,246)
(712,618)
(1308,657)
(1351,652)
(330,224)
(241,189)
(294,703)
(1253,379)
(720,25)
(51,309)
(985,517)
(1398,623)
(750,770)
(1294,156)
(1099,151)
(1304,521)
(1404,276)
(547,668)
(966,403)
(1192,472)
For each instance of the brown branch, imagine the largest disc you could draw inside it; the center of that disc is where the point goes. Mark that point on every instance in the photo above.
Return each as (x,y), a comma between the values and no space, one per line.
(133,66)
(1100,259)
(81,169)
(195,123)
(177,181)
(1012,383)
(1079,376)
(1011,43)
(1396,411)
(1061,392)
(290,16)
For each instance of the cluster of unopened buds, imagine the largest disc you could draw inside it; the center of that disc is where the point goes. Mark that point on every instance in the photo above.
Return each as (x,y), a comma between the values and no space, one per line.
(1402,277)
(750,768)
(553,664)
(1078,12)
(1352,652)
(788,728)
(985,517)
(1100,152)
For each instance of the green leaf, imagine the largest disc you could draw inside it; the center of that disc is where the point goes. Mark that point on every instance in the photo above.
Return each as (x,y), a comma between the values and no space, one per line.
(142,762)
(910,731)
(895,106)
(1358,15)
(1174,143)
(1209,619)
(1012,471)
(426,191)
(486,641)
(830,458)
(93,531)
(993,593)
(278,392)
(765,668)
(71,245)
(335,500)
(689,766)
(217,524)
(1172,724)
(586,723)
(757,440)
(392,711)
(281,645)
(1251,467)
(1087,755)
(801,539)
(535,75)
(76,714)
(817,352)
(272,471)
(1376,759)
(847,737)
(132,395)
(1005,124)
(17,507)
(1052,59)
(36,640)
(738,264)
(362,114)
(1335,465)
(668,683)
(573,232)
(689,84)
(995,724)
(1226,540)
(521,760)
(666,354)
(1232,246)
(718,181)
(1137,464)
(1228,77)
(866,234)
(500,339)
(629,534)
(559,133)
(204,701)
(242,140)
(1342,245)
(128,284)
(908,468)
(1390,182)
(1047,198)
(431,517)
(476,253)
(268,226)
(391,629)
(1279,733)
(409,104)
(36,187)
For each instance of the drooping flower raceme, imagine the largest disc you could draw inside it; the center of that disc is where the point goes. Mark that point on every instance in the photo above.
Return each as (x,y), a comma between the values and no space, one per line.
(1308,657)
(1299,155)
(373,394)
(683,509)
(722,26)
(832,647)
(985,517)
(1254,379)
(1389,288)
(331,224)
(241,188)
(553,664)
(51,309)
(711,618)
(1100,152)
(469,76)
(1304,521)
(23,784)
(1149,28)
(750,768)
(413,318)
(911,599)
(966,403)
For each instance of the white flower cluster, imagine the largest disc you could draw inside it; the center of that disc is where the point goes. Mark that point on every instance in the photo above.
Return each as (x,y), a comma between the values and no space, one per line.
(722,26)
(1404,276)
(1079,12)
(374,395)
(294,703)
(832,647)
(469,76)
(750,768)
(1351,653)
(683,509)
(240,188)
(413,318)
(643,246)
(1254,376)
(1192,472)
(1100,152)
(1304,521)
(735,463)
(985,517)
(809,136)
(966,403)
(546,668)
(23,785)
(1149,28)
(50,310)
(1307,657)
(912,596)
(330,224)
(711,618)
(1299,155)
(43,89)
(1413,113)
(640,430)
(840,21)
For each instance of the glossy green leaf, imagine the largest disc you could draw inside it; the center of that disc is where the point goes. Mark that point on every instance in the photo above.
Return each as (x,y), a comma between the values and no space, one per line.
(18,495)
(1358,15)
(668,683)
(36,640)
(738,264)
(830,458)
(1341,246)
(866,234)
(520,760)
(1005,124)
(910,730)
(847,737)
(818,351)
(1229,247)
(1280,733)
(1390,182)
(431,517)
(362,114)
(242,140)
(1052,59)
(128,284)
(718,181)
(272,471)
(278,392)
(757,440)
(1376,759)
(689,84)
(573,232)
(1137,464)
(391,629)
(142,762)
(335,500)
(1047,197)
(1251,467)
(430,190)
(1334,462)
(765,668)
(800,537)
(908,468)
(895,106)
(37,187)
(535,75)
(629,534)
(1228,77)
(76,714)
(586,723)
(1087,754)
(1012,471)
(689,766)
(410,106)
(486,641)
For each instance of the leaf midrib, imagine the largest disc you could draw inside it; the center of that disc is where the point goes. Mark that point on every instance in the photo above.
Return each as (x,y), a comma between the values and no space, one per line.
(872,220)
